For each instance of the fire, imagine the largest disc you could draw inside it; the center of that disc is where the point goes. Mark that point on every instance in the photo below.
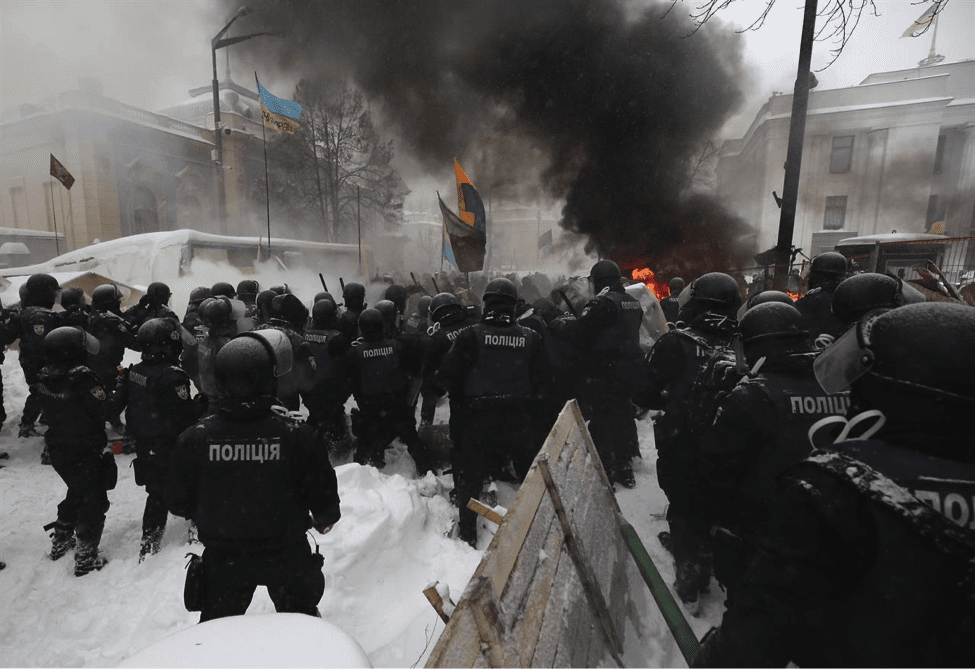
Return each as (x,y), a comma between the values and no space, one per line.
(646,275)
(795,296)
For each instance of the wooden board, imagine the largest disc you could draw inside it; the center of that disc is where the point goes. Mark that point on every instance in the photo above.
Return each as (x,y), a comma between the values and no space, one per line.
(526,603)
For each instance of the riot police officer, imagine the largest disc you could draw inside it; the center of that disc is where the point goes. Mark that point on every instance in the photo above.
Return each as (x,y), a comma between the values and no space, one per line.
(289,315)
(449,319)
(154,304)
(114,337)
(35,321)
(494,368)
(326,400)
(759,432)
(247,291)
(155,394)
(869,557)
(74,401)
(249,477)
(708,308)
(380,371)
(670,304)
(607,337)
(417,324)
(216,315)
(76,309)
(354,298)
(826,271)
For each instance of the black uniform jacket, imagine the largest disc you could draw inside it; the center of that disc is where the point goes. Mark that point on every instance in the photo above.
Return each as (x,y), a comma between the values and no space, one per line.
(248,477)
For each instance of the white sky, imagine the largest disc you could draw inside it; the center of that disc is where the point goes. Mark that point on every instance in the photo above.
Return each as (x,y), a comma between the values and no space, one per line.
(149,53)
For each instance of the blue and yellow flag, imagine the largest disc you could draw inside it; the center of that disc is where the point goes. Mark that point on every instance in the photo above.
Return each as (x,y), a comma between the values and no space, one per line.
(922,22)
(278,114)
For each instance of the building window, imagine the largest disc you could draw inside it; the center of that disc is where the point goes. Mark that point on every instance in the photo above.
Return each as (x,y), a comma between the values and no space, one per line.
(835,212)
(841,159)
(939,155)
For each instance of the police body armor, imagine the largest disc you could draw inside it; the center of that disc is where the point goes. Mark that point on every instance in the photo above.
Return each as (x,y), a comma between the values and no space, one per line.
(380,370)
(503,366)
(325,363)
(698,348)
(621,341)
(63,395)
(415,325)
(36,322)
(914,603)
(110,330)
(142,415)
(207,351)
(799,401)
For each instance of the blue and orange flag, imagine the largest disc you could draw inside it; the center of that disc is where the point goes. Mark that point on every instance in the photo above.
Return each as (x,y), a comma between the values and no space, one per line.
(466,231)
(278,114)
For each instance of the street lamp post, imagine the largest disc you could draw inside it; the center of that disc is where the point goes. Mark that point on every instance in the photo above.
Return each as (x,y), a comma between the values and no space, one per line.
(215,44)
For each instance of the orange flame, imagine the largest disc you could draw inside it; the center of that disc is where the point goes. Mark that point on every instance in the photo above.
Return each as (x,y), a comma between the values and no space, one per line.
(646,275)
(795,296)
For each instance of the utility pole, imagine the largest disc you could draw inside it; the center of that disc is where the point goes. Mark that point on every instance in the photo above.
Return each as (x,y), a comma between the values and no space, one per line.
(793,163)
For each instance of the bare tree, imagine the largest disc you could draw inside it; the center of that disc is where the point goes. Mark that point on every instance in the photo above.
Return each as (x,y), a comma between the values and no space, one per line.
(837,19)
(337,162)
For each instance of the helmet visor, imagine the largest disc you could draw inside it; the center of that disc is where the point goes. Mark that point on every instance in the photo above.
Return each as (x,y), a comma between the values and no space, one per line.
(90,343)
(843,362)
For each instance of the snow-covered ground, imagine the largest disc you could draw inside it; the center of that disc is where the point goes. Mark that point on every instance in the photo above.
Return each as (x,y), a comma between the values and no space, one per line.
(391,543)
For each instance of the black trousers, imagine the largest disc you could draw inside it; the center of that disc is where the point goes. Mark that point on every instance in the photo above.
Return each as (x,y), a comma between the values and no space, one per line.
(86,502)
(292,574)
(152,471)
(612,424)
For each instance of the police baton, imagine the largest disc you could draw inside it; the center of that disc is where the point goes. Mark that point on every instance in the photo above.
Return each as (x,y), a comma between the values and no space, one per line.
(435,286)
(322,279)
(572,310)
(418,284)
(342,284)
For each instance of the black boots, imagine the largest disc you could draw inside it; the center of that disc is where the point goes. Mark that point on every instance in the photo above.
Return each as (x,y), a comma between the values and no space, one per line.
(62,540)
(151,541)
(87,559)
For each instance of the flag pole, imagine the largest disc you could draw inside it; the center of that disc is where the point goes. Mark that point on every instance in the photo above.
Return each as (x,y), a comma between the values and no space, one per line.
(57,245)
(267,188)
(358,223)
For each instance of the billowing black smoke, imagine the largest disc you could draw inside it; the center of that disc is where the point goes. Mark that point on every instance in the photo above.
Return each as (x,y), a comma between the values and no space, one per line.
(615,107)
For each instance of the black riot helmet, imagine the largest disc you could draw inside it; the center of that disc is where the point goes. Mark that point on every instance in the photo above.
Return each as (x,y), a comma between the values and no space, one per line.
(198,294)
(500,291)
(762,298)
(354,296)
(322,295)
(244,368)
(772,330)
(69,346)
(913,363)
(860,294)
(604,273)
(72,297)
(388,309)
(444,304)
(223,288)
(324,315)
(715,292)
(216,312)
(247,290)
(676,285)
(372,325)
(106,296)
(288,308)
(40,290)
(423,306)
(397,295)
(827,268)
(158,293)
(159,339)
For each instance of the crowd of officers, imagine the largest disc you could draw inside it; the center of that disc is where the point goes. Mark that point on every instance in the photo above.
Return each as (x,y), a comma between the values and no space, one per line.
(811,451)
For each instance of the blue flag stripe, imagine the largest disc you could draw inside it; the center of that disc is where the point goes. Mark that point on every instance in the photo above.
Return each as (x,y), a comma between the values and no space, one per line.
(277,105)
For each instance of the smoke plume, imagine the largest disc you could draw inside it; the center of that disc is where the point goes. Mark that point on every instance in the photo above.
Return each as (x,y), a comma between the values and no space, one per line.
(603,108)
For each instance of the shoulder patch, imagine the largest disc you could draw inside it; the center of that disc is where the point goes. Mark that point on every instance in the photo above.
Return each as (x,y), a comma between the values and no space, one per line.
(98,392)
(38,329)
(183,391)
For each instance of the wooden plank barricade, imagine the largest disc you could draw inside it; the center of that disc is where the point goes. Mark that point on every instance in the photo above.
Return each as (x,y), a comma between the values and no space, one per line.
(552,587)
